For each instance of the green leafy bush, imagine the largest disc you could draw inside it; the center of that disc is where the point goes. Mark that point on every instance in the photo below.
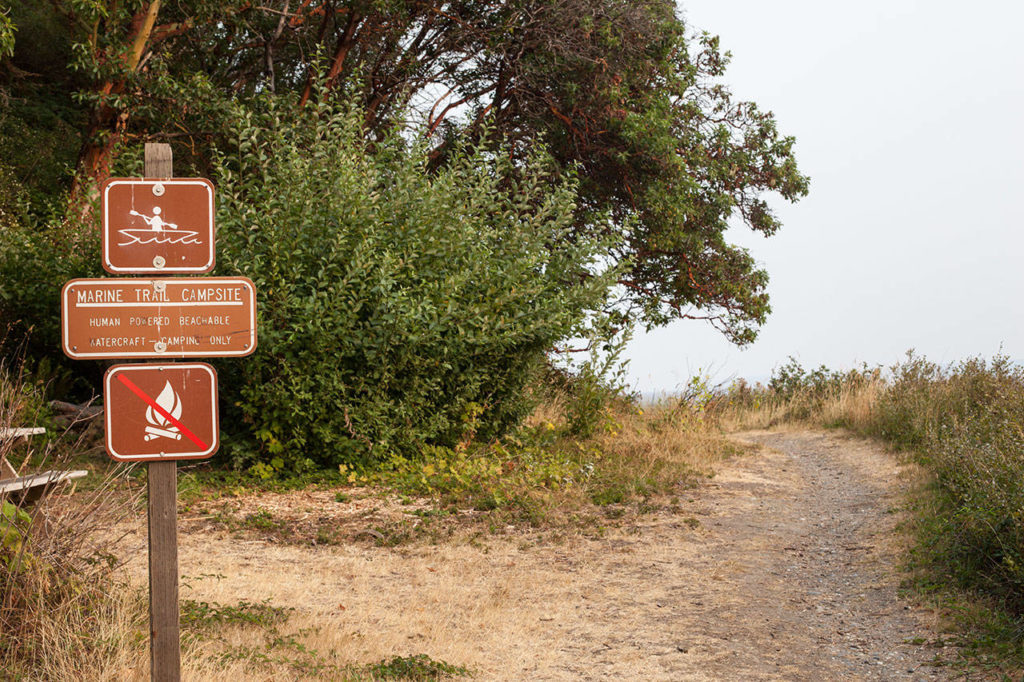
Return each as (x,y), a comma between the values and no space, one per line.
(392,300)
(792,381)
(35,262)
(14,525)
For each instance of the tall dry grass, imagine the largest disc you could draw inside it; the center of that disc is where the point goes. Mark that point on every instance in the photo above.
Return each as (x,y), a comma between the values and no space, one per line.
(64,612)
(797,397)
(850,405)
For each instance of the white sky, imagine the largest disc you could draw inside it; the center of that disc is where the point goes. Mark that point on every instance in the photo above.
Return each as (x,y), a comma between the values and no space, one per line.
(909,119)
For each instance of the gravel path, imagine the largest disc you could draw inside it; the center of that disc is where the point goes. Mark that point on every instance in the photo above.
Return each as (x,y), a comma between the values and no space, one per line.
(802,552)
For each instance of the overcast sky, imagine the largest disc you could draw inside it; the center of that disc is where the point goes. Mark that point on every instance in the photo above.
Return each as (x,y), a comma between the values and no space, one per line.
(909,119)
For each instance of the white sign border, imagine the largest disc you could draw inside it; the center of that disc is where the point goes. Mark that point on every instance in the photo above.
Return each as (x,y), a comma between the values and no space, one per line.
(111,268)
(157,457)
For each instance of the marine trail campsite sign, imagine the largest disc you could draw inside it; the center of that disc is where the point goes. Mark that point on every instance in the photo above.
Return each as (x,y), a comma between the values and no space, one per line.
(158,318)
(156,412)
(157,225)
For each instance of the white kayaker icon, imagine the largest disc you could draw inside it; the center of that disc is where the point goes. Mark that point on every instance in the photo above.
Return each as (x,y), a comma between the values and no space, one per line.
(155,222)
(160,231)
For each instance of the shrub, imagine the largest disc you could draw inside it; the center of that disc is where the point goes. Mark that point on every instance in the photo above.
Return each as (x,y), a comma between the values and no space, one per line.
(795,394)
(35,262)
(392,299)
(965,424)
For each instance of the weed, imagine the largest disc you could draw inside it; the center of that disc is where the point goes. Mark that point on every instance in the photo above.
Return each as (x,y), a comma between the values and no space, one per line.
(418,668)
(616,494)
(325,535)
(204,615)
(218,624)
(260,520)
(546,472)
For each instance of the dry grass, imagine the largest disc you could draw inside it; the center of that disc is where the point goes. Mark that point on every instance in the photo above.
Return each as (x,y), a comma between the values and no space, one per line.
(850,405)
(663,437)
(61,605)
(501,607)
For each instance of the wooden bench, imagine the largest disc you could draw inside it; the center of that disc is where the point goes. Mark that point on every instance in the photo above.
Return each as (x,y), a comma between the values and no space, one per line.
(28,489)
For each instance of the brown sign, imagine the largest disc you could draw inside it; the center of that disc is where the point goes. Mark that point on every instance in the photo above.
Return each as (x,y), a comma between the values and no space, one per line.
(187,317)
(152,226)
(156,412)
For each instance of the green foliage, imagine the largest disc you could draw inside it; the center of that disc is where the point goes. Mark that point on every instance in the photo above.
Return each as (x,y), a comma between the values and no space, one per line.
(7,30)
(392,301)
(40,125)
(591,388)
(205,615)
(14,528)
(417,668)
(794,393)
(546,470)
(792,380)
(34,264)
(622,93)
(511,475)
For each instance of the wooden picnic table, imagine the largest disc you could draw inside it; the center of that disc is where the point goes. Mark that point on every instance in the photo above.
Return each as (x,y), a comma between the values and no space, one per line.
(28,489)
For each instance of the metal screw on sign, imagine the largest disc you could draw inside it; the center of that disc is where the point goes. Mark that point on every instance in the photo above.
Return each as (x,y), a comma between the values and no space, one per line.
(160,286)
(158,189)
(160,347)
(159,262)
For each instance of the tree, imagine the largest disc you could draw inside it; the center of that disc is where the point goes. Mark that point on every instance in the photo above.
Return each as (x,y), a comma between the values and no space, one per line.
(618,90)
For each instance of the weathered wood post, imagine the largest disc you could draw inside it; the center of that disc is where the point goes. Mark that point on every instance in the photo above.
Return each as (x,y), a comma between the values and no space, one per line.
(162,489)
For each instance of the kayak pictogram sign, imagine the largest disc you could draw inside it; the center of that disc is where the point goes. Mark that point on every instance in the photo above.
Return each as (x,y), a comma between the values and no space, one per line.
(153,226)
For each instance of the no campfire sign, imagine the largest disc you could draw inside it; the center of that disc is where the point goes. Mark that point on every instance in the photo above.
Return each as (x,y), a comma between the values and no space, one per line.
(161,412)
(154,225)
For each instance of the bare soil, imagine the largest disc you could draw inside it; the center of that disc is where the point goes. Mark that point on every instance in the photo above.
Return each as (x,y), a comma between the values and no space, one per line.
(783,566)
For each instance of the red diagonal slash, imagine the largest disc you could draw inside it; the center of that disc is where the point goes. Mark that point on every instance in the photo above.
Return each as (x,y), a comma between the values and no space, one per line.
(164,413)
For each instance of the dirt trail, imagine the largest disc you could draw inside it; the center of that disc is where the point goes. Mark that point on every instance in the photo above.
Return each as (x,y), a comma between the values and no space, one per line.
(788,575)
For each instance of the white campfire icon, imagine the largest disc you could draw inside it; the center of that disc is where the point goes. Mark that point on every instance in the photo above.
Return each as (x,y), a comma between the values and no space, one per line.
(160,426)
(160,231)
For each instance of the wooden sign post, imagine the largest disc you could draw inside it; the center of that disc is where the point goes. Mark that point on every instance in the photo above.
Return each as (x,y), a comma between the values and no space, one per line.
(162,505)
(159,413)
